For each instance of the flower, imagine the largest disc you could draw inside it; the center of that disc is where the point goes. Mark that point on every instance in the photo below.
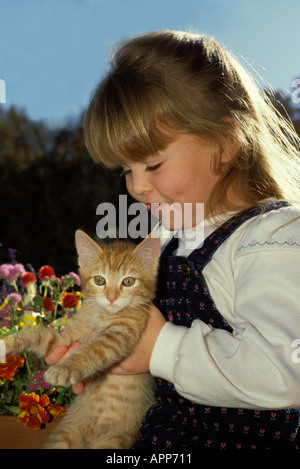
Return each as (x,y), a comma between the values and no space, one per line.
(10,368)
(30,318)
(33,413)
(29,277)
(46,272)
(69,300)
(48,304)
(14,298)
(11,301)
(11,271)
(75,277)
(37,381)
(56,410)
(28,298)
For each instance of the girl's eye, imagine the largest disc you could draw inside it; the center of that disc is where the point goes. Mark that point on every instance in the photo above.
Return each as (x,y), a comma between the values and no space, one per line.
(154,167)
(124,172)
(99,280)
(128,282)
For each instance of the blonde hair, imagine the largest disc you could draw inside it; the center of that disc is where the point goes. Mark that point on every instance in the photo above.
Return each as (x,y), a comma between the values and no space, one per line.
(169,82)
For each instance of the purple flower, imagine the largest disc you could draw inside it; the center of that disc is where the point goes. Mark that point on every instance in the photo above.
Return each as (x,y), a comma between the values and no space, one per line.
(5,324)
(37,381)
(12,255)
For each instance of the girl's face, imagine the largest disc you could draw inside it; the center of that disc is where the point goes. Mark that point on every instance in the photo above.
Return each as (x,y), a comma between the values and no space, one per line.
(181,174)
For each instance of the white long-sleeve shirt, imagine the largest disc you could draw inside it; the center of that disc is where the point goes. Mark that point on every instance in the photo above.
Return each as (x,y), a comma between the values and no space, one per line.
(254,280)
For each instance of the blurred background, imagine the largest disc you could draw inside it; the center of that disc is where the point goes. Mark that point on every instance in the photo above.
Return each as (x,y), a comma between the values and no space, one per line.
(52,55)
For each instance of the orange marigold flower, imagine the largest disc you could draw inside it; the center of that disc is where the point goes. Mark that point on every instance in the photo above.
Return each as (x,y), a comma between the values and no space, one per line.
(48,304)
(10,368)
(69,300)
(33,414)
(29,277)
(45,272)
(57,410)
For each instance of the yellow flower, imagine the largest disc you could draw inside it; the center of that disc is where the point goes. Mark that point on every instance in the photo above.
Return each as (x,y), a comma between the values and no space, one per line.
(30,319)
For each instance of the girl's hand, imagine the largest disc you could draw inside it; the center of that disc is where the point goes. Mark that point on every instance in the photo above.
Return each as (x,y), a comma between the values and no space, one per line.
(139,360)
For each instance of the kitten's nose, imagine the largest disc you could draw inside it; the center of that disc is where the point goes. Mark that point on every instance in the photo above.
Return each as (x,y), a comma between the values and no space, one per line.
(111,298)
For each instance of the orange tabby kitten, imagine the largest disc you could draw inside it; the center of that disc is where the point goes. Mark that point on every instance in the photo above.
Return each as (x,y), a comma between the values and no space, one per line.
(119,282)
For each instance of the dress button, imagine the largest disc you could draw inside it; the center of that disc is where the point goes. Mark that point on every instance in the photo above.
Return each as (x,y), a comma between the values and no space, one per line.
(185,270)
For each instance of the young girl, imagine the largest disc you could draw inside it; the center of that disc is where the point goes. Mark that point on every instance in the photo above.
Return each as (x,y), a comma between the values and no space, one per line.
(188,125)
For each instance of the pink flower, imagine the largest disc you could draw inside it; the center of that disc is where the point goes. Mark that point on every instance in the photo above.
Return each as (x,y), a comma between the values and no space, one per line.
(75,277)
(14,298)
(11,271)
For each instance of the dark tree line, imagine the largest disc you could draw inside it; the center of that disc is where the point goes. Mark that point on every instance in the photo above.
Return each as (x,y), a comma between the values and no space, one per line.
(49,187)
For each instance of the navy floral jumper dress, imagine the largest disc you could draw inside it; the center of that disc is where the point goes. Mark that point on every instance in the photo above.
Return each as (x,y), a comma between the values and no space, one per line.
(175,422)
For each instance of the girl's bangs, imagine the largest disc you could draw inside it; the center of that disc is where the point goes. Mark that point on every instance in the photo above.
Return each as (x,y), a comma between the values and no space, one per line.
(127,124)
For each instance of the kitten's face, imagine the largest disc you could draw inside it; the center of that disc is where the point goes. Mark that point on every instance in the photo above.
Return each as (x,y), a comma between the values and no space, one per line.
(117,275)
(114,289)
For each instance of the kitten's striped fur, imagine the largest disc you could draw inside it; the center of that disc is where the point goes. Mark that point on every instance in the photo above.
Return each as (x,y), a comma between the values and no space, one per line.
(109,412)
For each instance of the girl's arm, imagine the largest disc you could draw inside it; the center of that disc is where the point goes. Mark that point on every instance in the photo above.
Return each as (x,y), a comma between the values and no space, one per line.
(253,367)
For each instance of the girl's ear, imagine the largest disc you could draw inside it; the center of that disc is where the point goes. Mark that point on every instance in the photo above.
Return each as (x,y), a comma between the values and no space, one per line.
(87,248)
(230,146)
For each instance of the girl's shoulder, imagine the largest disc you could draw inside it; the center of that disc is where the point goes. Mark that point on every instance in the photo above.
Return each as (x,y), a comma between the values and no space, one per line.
(277,229)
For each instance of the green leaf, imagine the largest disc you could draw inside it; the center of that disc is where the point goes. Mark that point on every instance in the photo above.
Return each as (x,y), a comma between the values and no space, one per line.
(37,302)
(12,409)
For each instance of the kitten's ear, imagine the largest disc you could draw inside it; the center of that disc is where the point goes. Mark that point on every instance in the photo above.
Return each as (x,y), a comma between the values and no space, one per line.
(149,251)
(87,248)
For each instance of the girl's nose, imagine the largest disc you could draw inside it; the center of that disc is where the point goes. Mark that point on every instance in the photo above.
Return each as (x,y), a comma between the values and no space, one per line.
(140,183)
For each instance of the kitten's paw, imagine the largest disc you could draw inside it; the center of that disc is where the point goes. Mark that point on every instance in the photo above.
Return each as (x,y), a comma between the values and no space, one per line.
(61,375)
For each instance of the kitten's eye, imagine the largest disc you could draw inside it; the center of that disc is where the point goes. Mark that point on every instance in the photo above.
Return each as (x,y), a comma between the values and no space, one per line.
(99,280)
(128,281)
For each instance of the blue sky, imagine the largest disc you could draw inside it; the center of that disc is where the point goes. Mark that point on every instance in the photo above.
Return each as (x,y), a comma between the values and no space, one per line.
(53,52)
